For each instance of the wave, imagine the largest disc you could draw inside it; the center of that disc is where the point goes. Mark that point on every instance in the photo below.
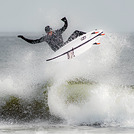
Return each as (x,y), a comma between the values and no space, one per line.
(75,101)
(92,103)
(92,89)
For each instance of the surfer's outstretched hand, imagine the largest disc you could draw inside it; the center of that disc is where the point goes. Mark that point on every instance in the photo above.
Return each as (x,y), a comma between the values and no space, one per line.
(64,19)
(20,36)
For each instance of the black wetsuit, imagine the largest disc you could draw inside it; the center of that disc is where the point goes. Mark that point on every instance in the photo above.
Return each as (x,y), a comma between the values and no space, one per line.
(55,40)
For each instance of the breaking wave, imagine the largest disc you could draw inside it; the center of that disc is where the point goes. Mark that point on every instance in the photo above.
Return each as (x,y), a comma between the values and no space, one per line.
(93,89)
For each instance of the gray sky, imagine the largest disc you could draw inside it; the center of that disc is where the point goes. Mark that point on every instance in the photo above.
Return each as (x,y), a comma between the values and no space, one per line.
(34,15)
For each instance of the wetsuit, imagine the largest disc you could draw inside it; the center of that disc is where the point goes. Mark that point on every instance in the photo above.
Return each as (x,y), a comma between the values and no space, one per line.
(55,40)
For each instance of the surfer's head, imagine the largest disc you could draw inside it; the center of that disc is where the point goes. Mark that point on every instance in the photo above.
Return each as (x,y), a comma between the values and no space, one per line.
(48,29)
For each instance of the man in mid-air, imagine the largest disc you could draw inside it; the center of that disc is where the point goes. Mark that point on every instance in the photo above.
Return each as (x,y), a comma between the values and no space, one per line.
(54,37)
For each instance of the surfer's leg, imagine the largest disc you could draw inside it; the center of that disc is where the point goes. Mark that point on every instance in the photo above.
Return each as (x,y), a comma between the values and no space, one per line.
(74,35)
(79,32)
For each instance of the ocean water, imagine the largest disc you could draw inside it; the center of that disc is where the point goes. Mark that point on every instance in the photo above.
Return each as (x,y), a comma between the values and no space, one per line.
(93,93)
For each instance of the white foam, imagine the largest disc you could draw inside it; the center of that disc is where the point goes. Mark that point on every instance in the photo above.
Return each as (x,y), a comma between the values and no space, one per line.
(106,104)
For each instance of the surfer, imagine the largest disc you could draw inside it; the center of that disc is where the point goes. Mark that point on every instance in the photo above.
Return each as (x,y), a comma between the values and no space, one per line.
(54,37)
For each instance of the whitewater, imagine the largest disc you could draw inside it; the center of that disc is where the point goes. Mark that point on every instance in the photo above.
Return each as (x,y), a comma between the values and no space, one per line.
(93,93)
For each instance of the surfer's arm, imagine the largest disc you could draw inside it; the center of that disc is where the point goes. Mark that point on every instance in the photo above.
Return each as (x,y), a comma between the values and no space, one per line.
(32,41)
(65,25)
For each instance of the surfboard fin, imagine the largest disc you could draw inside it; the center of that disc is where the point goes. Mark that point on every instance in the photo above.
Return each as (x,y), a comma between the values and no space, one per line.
(96,43)
(102,34)
(94,32)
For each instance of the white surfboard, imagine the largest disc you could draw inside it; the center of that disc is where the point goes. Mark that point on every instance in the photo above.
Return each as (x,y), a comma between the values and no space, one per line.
(76,46)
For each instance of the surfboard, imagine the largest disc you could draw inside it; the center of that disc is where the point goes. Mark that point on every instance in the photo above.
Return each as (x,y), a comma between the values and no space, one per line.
(77,46)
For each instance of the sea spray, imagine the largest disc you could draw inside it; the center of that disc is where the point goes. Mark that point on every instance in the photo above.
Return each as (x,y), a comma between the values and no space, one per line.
(90,89)
(86,103)
(104,102)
